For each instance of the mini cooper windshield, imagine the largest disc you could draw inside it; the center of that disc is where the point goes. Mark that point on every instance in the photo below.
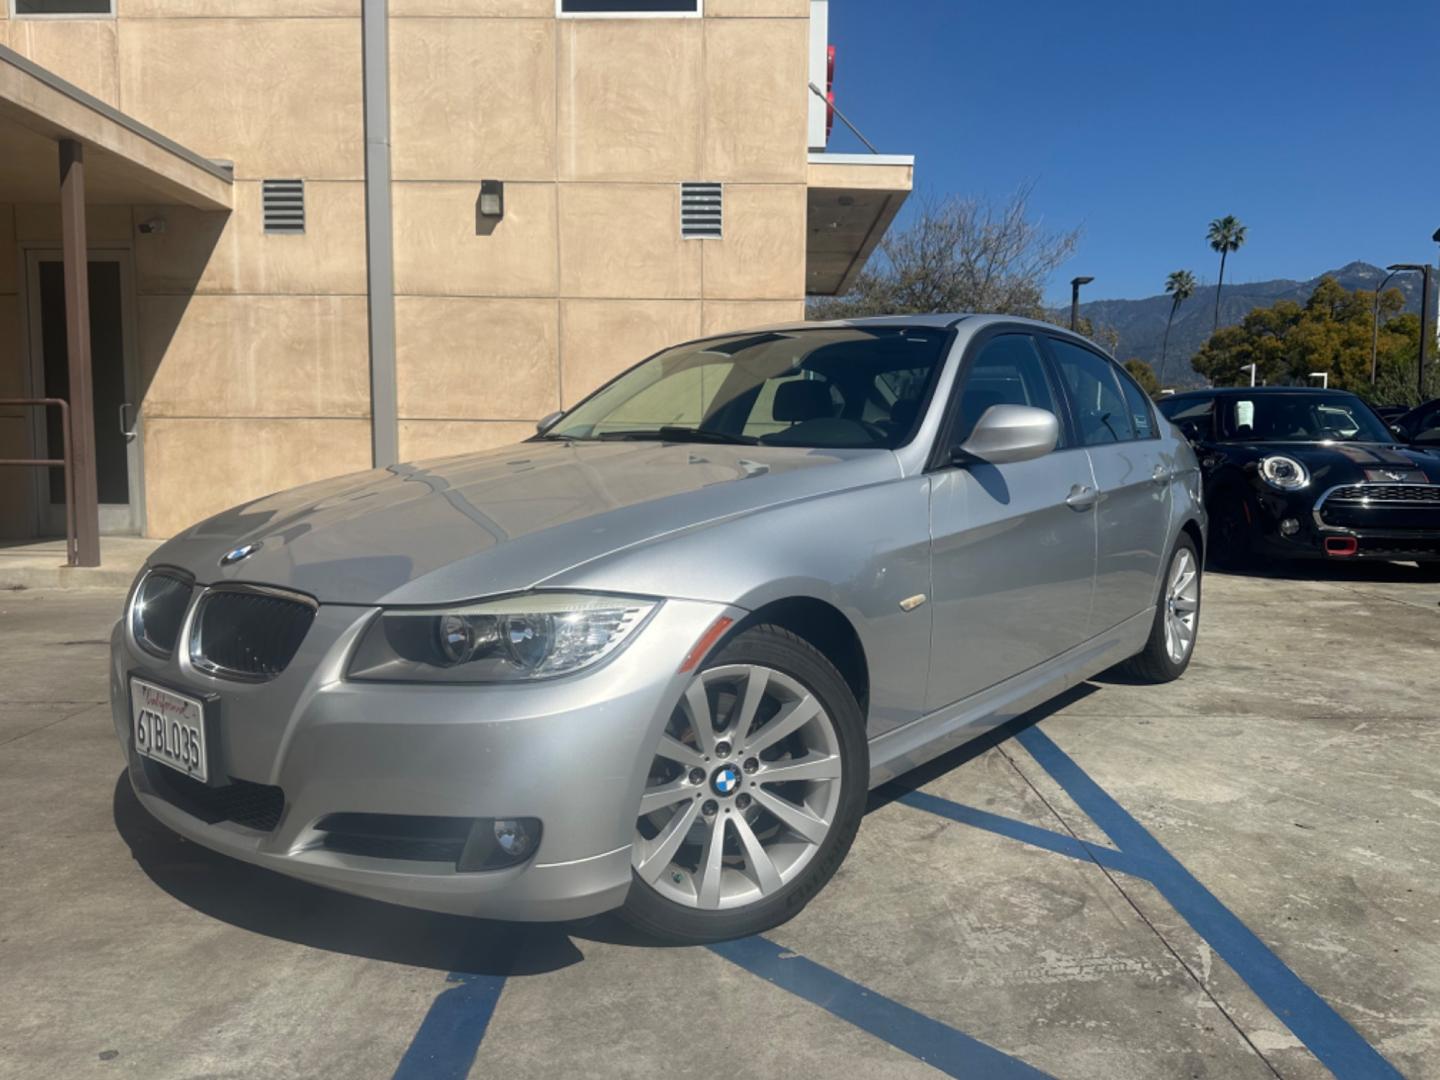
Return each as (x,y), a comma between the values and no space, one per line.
(1298,417)
(824,388)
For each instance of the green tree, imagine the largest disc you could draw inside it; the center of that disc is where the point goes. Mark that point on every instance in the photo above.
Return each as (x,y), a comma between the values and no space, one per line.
(1181,286)
(1226,235)
(1144,375)
(1331,333)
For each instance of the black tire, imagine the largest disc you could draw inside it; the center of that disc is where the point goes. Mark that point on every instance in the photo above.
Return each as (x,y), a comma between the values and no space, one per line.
(666,920)
(1231,534)
(1153,664)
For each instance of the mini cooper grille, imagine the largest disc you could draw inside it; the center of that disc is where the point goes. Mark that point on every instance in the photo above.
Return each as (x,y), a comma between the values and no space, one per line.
(1388,493)
(248,634)
(158,611)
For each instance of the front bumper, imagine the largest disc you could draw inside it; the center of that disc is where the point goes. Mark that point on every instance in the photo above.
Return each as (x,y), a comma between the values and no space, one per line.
(572,753)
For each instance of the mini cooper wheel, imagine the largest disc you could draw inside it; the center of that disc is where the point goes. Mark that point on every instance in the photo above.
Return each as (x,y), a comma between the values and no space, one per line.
(1177,619)
(754,793)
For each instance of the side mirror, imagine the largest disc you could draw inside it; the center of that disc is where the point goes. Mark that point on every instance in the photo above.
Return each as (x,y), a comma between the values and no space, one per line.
(1008,433)
(545,423)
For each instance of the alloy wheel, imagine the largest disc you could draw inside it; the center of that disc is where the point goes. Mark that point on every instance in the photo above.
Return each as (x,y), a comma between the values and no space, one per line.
(743,789)
(1182,605)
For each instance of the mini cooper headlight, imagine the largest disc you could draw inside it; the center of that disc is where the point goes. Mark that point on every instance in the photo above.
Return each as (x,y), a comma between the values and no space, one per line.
(520,638)
(1284,473)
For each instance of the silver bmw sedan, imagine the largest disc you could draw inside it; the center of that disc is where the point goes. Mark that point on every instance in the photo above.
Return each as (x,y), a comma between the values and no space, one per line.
(653,658)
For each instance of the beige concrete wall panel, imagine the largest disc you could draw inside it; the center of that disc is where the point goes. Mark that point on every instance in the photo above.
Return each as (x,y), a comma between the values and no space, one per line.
(442,247)
(254,356)
(604,337)
(630,99)
(756,99)
(80,51)
(467,357)
(214,252)
(623,240)
(723,316)
(472,98)
(17,492)
(196,468)
(762,255)
(475,9)
(13,380)
(764,9)
(40,223)
(279,97)
(424,439)
(252,9)
(868,177)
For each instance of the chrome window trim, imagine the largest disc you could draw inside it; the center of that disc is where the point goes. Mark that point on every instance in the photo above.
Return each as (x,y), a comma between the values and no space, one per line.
(1320,502)
(191,630)
(162,570)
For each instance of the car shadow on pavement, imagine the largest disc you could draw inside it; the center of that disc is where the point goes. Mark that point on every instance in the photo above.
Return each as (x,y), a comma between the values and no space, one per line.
(268,903)
(1362,570)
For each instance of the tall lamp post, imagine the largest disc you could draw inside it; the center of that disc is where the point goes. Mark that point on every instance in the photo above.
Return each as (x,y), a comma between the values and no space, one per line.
(1075,284)
(1375,326)
(1423,269)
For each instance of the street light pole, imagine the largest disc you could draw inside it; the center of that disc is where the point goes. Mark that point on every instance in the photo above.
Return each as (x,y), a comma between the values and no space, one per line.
(1375,329)
(1323,376)
(1252,372)
(1427,331)
(1075,284)
(1424,271)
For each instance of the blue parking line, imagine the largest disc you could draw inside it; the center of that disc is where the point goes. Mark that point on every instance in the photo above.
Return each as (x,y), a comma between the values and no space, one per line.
(449,1037)
(952,1052)
(1060,843)
(1337,1045)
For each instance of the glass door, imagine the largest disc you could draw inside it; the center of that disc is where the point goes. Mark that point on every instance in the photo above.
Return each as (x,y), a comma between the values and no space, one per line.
(114,385)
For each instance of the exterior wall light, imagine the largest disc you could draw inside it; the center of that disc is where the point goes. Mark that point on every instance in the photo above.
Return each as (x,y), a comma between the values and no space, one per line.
(492,199)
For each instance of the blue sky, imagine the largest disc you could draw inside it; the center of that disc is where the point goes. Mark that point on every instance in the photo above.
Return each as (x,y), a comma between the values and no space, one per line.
(1317,124)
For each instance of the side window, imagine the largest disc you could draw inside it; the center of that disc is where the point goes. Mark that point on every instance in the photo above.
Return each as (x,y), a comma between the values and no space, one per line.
(1008,371)
(1100,410)
(1142,415)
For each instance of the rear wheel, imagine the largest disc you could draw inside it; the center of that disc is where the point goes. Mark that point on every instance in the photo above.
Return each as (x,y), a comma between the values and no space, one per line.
(1171,644)
(754,794)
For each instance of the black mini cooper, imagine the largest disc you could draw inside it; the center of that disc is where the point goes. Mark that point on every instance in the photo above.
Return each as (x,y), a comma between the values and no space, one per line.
(1292,472)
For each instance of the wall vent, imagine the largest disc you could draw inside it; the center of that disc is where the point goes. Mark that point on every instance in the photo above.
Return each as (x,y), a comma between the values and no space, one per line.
(701,210)
(284,205)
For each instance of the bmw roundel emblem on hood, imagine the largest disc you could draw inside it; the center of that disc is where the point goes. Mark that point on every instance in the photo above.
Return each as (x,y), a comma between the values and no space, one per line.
(240,554)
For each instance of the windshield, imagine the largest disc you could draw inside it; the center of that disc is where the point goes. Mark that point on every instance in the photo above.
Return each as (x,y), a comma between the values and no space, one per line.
(1303,417)
(822,388)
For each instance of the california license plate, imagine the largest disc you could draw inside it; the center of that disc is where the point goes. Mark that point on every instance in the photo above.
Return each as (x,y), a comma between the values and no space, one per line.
(169,728)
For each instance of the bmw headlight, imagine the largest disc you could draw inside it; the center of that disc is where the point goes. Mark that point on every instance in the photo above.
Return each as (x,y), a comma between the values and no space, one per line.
(1283,472)
(520,638)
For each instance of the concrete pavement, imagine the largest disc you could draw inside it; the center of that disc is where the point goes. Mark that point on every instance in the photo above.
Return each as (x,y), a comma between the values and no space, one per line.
(1292,777)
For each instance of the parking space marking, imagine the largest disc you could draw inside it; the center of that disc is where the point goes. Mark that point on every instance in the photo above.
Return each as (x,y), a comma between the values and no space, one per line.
(449,1037)
(952,1052)
(1327,1035)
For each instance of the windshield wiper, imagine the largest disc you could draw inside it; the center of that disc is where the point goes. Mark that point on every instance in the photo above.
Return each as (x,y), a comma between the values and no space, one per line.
(682,434)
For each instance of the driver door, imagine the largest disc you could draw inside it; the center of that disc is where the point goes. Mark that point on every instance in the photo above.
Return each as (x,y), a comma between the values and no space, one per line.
(1013,546)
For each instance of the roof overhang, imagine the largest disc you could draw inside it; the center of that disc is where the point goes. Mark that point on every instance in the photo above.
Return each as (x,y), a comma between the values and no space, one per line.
(125,161)
(852,200)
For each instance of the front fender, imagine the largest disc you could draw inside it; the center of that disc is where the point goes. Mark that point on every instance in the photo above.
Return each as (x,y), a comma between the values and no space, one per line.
(862,551)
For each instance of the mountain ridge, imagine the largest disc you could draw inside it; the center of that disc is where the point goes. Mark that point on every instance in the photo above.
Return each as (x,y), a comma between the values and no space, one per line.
(1140,323)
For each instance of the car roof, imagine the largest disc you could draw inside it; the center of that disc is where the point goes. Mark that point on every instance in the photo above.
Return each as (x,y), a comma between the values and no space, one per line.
(1253,391)
(940,320)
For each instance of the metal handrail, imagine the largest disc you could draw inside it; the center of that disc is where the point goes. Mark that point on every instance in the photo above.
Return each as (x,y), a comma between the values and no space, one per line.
(71,548)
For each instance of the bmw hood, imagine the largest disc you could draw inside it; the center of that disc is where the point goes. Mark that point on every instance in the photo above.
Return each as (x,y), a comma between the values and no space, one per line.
(499,521)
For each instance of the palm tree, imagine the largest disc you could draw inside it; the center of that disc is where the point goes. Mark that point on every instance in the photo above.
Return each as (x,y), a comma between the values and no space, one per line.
(1226,235)
(1181,286)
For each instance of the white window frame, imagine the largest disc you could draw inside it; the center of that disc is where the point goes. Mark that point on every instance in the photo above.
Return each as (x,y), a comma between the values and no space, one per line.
(698,13)
(16,14)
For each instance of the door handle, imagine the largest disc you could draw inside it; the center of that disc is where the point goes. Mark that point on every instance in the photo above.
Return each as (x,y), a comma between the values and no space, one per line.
(1161,475)
(1082,497)
(128,432)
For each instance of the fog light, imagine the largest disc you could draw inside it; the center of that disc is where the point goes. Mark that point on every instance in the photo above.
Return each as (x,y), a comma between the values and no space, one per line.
(496,843)
(514,839)
(1289,527)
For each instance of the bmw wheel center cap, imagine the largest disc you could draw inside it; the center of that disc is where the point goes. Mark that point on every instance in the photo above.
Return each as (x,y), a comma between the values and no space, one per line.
(725,780)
